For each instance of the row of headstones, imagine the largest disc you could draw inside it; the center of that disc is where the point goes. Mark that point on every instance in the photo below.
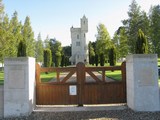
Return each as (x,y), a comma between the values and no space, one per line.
(142,85)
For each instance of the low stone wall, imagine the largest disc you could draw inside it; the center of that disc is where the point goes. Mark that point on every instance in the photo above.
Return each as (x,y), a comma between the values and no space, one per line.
(1,101)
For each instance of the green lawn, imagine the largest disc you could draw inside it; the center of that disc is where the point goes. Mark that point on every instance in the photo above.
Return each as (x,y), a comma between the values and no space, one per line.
(47,77)
(1,77)
(116,75)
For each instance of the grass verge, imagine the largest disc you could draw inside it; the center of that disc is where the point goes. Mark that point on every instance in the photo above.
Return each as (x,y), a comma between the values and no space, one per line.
(1,77)
(47,77)
(116,75)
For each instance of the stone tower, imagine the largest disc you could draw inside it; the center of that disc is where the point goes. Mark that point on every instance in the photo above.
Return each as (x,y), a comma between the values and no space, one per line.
(78,39)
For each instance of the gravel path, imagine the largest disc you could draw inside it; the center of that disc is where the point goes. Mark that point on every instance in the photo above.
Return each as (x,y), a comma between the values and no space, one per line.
(126,114)
(89,79)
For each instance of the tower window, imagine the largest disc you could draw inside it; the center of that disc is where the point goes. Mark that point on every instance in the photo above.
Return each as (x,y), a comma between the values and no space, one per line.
(84,35)
(83,22)
(77,43)
(77,36)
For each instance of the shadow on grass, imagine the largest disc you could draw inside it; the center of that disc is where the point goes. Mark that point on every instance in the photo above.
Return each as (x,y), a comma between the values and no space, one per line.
(115,75)
(47,77)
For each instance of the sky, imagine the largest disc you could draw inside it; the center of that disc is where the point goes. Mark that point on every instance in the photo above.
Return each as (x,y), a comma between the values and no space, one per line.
(55,17)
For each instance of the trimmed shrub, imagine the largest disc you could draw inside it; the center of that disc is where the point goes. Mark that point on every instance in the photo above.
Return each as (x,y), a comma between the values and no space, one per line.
(141,43)
(21,49)
(47,58)
(112,56)
(102,59)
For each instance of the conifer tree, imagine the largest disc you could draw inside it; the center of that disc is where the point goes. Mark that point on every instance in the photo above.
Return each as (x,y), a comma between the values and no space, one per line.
(112,56)
(103,42)
(39,49)
(154,17)
(15,31)
(141,44)
(47,58)
(91,53)
(21,49)
(137,20)
(28,37)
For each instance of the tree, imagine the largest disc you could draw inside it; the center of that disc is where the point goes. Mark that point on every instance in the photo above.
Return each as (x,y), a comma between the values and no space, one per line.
(103,42)
(137,20)
(28,37)
(66,54)
(21,49)
(123,44)
(154,16)
(102,59)
(39,49)
(2,32)
(15,34)
(96,59)
(56,51)
(47,58)
(141,44)
(112,56)
(46,43)
(1,11)
(91,53)
(63,60)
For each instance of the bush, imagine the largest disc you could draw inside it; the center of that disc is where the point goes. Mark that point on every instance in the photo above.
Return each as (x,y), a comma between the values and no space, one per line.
(141,43)
(102,59)
(21,49)
(47,58)
(96,60)
(112,56)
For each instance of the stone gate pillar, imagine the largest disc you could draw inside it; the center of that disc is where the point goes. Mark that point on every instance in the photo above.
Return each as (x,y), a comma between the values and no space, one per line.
(19,86)
(142,82)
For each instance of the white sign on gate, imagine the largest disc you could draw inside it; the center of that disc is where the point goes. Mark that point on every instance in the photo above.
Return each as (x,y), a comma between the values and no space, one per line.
(73,90)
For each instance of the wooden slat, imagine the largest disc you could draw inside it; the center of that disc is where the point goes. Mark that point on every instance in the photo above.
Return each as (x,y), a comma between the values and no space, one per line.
(68,76)
(94,76)
(57,93)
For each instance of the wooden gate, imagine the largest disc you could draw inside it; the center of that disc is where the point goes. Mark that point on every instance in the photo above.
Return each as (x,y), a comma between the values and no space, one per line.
(97,91)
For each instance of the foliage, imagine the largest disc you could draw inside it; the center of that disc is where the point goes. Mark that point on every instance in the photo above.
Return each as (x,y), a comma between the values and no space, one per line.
(67,51)
(137,20)
(112,56)
(1,11)
(12,32)
(39,49)
(154,17)
(62,61)
(96,60)
(91,53)
(120,42)
(141,44)
(66,54)
(1,77)
(47,58)
(56,50)
(102,59)
(46,43)
(28,37)
(21,49)
(103,42)
(15,31)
